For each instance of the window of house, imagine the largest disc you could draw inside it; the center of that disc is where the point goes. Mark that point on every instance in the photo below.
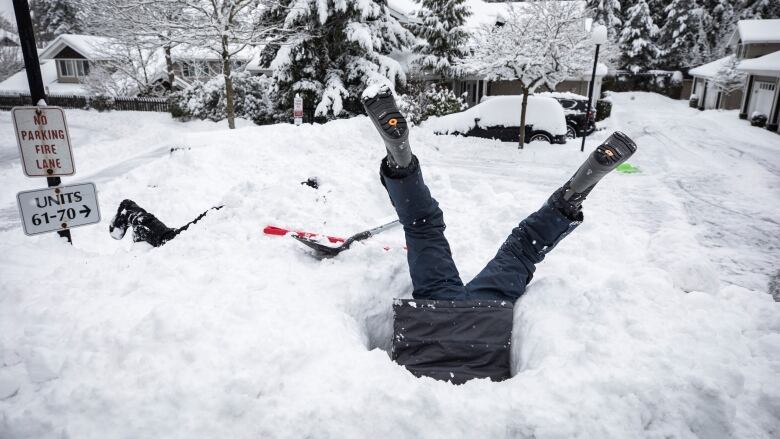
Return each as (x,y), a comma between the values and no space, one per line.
(194,69)
(188,70)
(73,68)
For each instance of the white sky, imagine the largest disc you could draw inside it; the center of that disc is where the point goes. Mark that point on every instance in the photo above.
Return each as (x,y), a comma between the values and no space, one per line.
(7,10)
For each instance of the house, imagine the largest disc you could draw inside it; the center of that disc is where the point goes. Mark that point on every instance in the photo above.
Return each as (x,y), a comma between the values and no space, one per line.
(758,46)
(8,39)
(762,88)
(705,92)
(68,60)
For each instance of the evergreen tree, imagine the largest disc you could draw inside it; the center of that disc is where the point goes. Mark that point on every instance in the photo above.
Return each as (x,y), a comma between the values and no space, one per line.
(679,34)
(728,79)
(345,49)
(608,13)
(442,28)
(55,17)
(752,9)
(638,38)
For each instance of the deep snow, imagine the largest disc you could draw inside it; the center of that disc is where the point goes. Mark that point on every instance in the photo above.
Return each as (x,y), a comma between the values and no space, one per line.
(650,320)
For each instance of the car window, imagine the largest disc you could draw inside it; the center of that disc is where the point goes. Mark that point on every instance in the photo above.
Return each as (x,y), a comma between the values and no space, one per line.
(568,104)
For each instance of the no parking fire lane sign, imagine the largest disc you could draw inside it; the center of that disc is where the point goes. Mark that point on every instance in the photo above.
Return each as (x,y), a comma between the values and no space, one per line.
(44,141)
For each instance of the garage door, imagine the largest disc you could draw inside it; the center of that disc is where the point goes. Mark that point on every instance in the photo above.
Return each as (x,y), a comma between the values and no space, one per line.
(711,100)
(762,98)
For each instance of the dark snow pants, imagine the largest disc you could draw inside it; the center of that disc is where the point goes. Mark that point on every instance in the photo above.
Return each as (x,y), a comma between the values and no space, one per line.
(433,272)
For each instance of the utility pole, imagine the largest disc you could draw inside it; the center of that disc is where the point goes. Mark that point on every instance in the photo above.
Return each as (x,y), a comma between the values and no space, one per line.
(33,68)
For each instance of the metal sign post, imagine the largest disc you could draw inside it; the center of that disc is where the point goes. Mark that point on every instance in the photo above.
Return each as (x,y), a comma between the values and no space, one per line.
(44,145)
(298,109)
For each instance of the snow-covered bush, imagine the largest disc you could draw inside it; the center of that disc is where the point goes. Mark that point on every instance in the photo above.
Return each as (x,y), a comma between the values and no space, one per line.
(728,79)
(758,119)
(422,102)
(208,100)
(101,103)
(603,109)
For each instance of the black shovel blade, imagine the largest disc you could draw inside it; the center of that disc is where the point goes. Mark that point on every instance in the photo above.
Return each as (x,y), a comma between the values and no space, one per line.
(321,251)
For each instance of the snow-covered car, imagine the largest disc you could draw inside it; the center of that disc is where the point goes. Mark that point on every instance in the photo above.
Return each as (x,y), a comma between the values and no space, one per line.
(579,121)
(498,117)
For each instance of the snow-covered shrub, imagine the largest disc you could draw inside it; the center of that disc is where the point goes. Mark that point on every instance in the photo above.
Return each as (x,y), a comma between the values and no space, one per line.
(422,102)
(758,119)
(207,100)
(101,103)
(603,109)
(728,79)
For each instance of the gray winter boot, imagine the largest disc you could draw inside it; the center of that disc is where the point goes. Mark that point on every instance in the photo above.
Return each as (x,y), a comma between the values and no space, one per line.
(392,126)
(607,156)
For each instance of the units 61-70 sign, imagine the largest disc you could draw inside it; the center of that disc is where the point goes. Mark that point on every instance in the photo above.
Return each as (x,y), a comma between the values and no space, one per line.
(58,208)
(44,142)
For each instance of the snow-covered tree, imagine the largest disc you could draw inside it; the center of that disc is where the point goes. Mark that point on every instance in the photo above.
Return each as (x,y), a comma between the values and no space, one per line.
(346,49)
(224,27)
(755,9)
(55,17)
(127,70)
(679,34)
(139,24)
(728,79)
(441,28)
(10,61)
(606,12)
(540,43)
(638,38)
(10,56)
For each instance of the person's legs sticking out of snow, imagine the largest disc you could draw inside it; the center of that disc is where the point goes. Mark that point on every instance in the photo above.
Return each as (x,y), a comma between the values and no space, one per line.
(507,275)
(434,334)
(433,272)
(146,227)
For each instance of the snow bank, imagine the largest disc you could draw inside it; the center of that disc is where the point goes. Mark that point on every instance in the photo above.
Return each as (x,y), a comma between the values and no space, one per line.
(225,332)
(542,112)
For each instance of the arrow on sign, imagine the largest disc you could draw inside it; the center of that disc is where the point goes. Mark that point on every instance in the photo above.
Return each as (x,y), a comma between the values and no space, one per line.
(86,210)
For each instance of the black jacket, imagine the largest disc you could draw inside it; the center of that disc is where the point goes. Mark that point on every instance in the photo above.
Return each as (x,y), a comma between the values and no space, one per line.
(453,340)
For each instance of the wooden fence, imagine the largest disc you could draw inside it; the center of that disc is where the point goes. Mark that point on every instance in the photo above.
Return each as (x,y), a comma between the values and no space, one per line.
(659,82)
(100,103)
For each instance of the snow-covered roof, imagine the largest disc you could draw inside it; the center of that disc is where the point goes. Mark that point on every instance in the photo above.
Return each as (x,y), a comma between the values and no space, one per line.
(4,34)
(765,65)
(757,31)
(709,70)
(186,53)
(17,83)
(89,46)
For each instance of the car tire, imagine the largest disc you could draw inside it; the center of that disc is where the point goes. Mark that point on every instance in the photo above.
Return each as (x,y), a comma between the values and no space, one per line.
(540,136)
(571,132)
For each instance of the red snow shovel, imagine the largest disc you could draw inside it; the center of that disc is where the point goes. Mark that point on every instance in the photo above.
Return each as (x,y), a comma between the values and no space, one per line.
(322,251)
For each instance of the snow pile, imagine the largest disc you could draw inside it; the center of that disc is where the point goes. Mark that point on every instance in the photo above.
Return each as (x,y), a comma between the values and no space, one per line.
(225,332)
(542,112)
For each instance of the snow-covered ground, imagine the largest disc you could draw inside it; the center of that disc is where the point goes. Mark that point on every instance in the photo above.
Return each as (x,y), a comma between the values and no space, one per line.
(651,320)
